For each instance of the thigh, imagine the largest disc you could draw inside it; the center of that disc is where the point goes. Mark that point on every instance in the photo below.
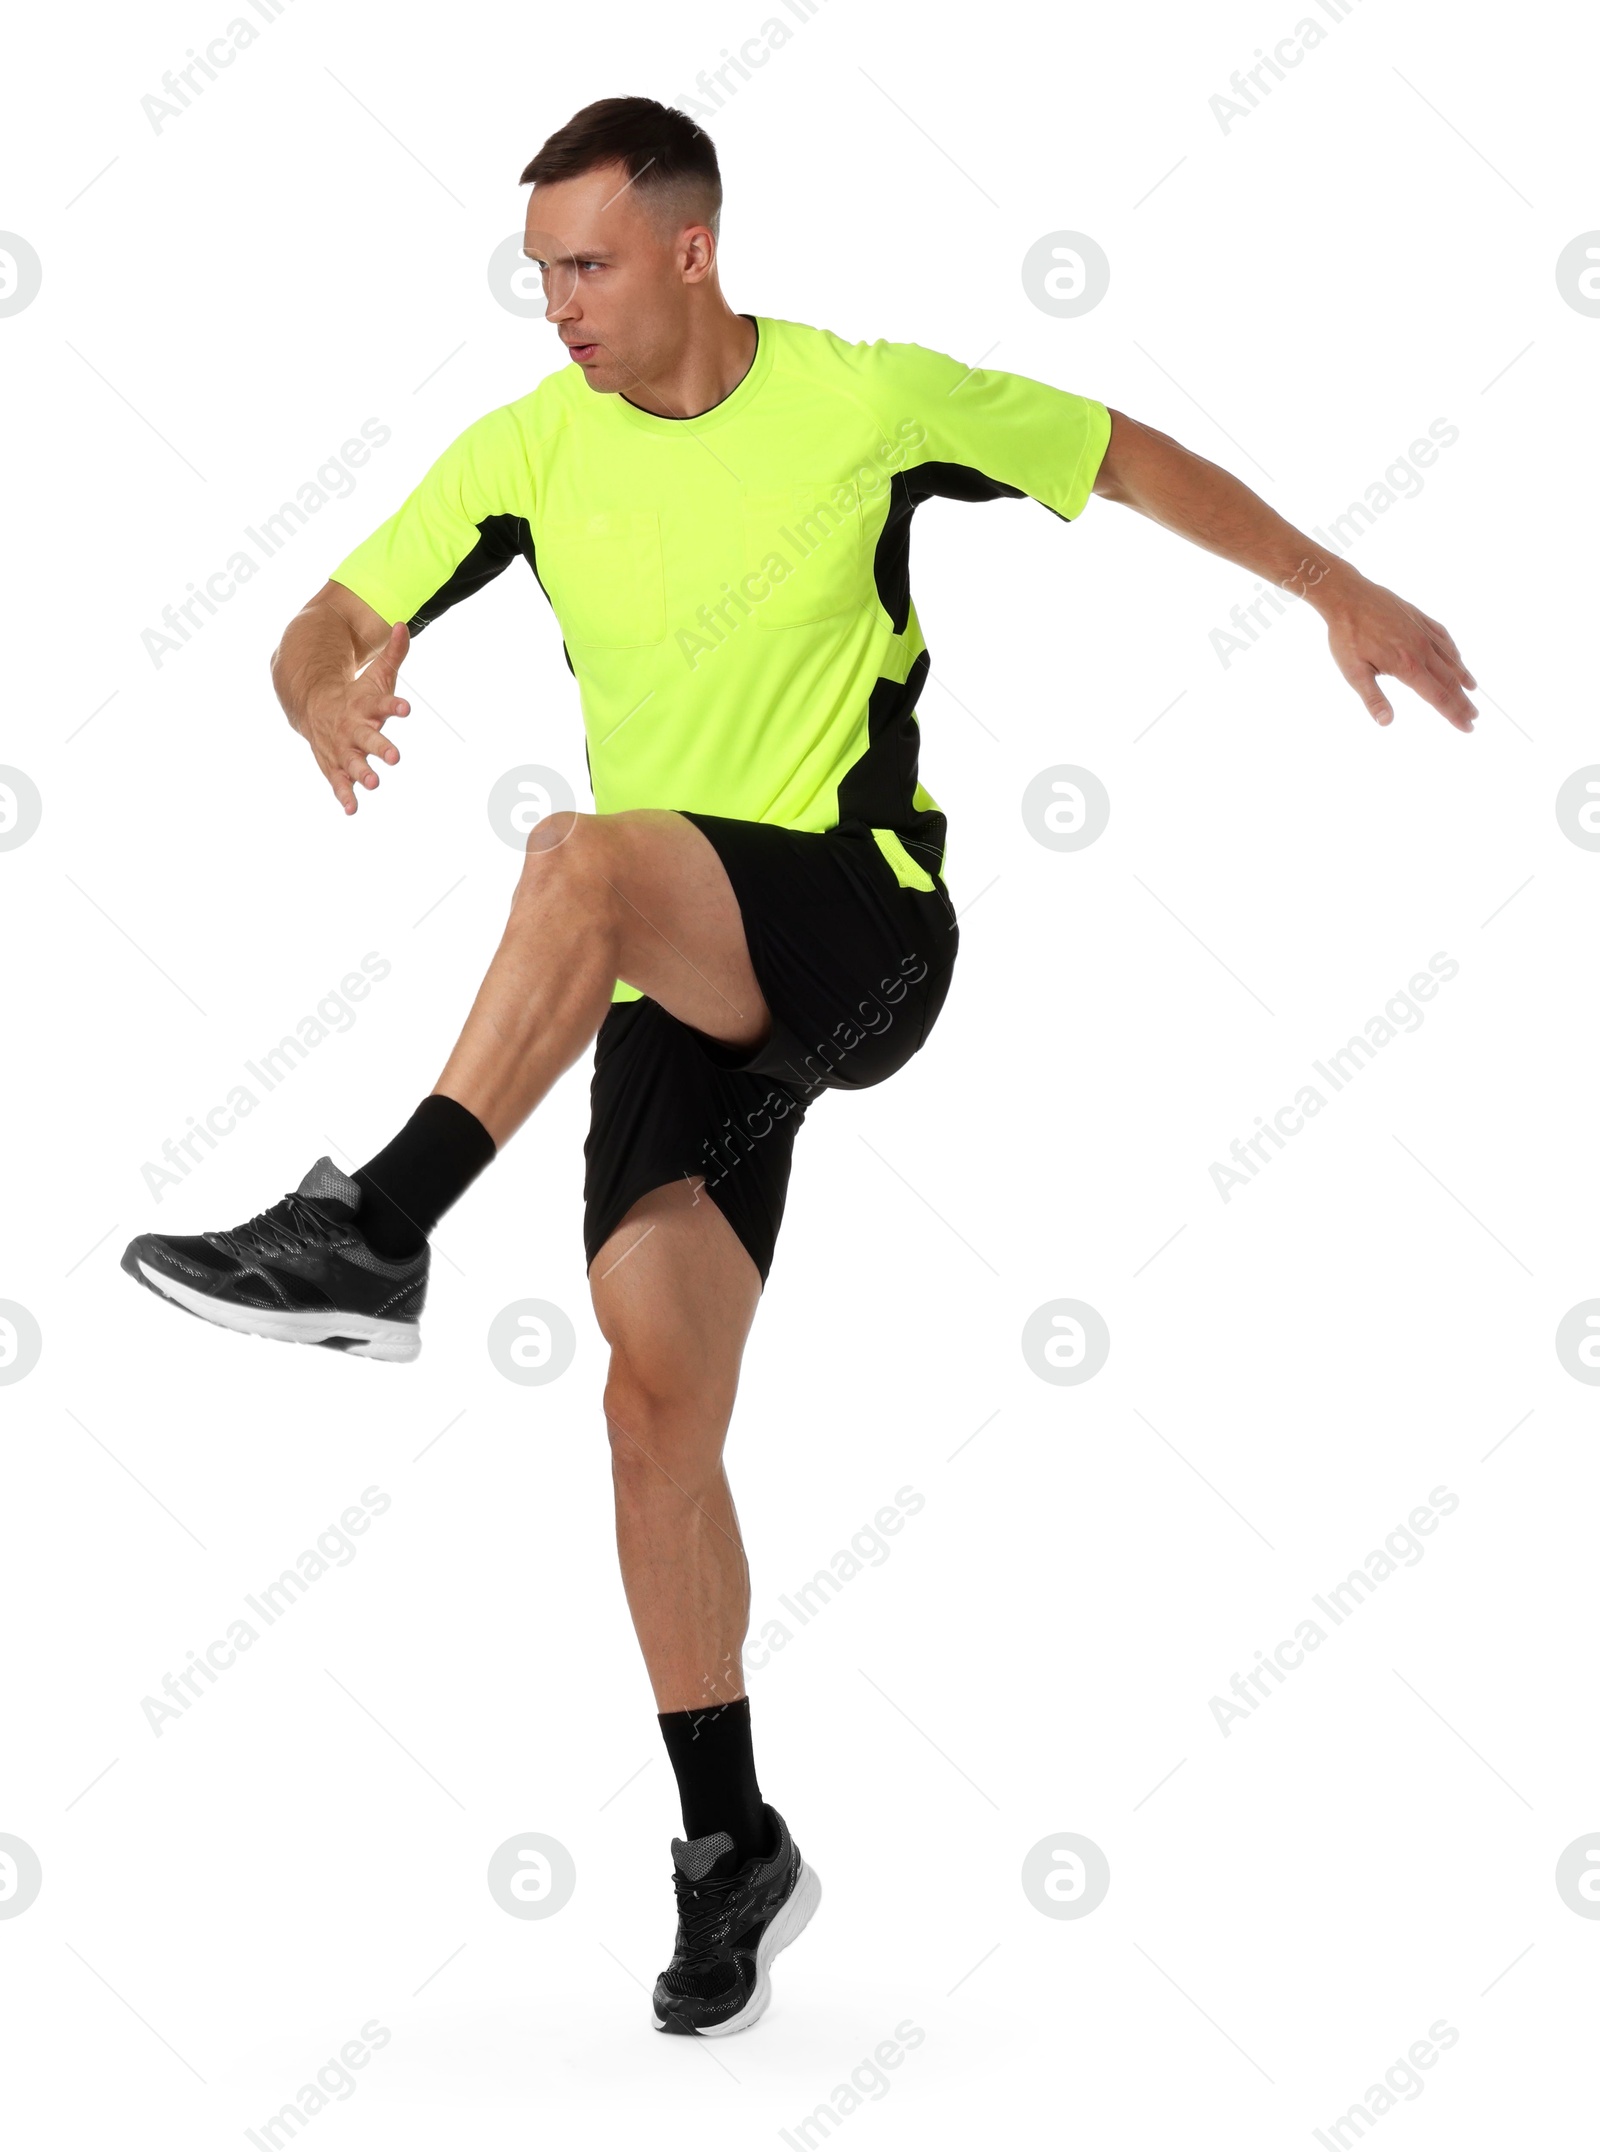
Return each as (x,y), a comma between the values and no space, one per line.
(682,932)
(675,1294)
(662,1112)
(853,957)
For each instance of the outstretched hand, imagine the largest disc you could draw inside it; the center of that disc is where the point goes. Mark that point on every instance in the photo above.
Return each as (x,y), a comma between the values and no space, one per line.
(344,726)
(1371,630)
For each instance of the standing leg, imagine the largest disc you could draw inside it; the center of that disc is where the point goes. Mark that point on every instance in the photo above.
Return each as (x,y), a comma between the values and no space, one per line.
(675,1295)
(675,1291)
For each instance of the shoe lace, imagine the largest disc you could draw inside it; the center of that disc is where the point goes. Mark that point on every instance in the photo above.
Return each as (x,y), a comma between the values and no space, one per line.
(282,1230)
(704,1913)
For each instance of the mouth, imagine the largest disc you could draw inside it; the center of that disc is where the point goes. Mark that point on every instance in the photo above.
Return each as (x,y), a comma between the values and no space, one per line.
(583,353)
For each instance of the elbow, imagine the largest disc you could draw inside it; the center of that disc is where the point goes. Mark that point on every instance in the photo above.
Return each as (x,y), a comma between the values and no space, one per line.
(1132,451)
(1108,479)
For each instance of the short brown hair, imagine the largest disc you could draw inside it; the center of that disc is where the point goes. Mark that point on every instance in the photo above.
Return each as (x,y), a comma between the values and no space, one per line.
(657,145)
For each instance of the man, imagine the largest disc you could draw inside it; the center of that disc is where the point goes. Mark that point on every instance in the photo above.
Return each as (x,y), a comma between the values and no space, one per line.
(718,507)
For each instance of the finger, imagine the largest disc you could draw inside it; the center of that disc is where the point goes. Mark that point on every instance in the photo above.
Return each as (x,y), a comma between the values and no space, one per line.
(1432,681)
(1438,682)
(1447,642)
(1364,680)
(1448,651)
(363,772)
(386,665)
(342,791)
(1440,685)
(1453,674)
(374,743)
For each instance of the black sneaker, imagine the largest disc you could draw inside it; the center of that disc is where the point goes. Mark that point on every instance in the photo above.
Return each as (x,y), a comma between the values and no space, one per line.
(732,1922)
(299,1271)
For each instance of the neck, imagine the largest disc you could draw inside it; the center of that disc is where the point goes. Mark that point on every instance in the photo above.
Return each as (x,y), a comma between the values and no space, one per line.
(715,358)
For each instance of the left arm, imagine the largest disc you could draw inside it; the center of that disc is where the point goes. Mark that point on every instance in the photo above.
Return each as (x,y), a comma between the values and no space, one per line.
(1370,629)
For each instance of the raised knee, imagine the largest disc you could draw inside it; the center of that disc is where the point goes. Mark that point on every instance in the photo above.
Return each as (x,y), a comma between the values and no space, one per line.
(565,840)
(567,849)
(561,830)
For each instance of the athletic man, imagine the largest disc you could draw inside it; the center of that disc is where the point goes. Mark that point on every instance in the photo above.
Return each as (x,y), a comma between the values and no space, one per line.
(718,507)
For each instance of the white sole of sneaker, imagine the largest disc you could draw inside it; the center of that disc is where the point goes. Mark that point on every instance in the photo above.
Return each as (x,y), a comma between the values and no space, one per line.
(376,1337)
(786,1924)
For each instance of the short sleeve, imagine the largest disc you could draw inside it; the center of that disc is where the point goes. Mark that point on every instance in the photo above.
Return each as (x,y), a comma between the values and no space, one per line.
(465,520)
(972,433)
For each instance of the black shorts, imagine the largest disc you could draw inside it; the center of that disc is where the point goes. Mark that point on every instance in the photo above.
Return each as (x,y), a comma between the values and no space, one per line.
(854,963)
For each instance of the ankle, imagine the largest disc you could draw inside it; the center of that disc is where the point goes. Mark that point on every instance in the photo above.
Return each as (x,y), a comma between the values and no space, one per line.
(412,1182)
(712,1759)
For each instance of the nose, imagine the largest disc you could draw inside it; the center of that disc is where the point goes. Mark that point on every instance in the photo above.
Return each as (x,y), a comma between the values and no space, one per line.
(560,290)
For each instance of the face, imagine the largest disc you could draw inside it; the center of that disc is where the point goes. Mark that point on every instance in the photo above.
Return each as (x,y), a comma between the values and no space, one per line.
(617,269)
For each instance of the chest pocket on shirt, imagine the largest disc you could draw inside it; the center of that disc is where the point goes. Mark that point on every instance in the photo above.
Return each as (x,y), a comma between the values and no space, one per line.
(815,529)
(604,576)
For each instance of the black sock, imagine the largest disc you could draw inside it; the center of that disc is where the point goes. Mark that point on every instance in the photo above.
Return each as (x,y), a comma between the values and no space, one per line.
(715,1767)
(413,1181)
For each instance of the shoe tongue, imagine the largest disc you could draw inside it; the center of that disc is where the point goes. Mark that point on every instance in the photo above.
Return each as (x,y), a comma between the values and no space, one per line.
(329,1185)
(698,1858)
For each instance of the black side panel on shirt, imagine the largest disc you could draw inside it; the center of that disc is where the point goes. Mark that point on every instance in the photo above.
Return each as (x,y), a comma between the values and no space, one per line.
(500,540)
(878,789)
(891,565)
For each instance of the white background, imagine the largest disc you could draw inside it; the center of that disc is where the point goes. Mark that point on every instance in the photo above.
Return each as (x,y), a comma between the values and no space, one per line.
(223,303)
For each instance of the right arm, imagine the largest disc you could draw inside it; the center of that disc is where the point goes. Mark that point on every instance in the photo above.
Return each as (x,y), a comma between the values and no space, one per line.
(454,532)
(337,707)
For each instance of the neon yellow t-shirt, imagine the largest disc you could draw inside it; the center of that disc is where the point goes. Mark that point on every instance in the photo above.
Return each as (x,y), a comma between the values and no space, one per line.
(733,589)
